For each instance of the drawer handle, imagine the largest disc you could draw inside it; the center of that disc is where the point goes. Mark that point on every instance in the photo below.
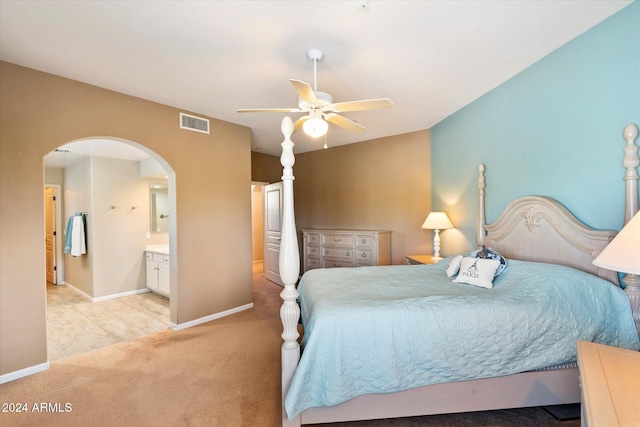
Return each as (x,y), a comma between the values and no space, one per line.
(364,240)
(364,255)
(337,239)
(326,251)
(348,253)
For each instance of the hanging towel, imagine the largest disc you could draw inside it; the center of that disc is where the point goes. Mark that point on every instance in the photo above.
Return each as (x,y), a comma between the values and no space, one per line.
(75,242)
(67,239)
(78,241)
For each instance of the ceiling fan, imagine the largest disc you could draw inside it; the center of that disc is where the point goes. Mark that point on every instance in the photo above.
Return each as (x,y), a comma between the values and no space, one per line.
(320,106)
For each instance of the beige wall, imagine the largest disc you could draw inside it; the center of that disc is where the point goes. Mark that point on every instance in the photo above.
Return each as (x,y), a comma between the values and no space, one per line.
(265,168)
(76,197)
(54,176)
(382,184)
(117,199)
(211,259)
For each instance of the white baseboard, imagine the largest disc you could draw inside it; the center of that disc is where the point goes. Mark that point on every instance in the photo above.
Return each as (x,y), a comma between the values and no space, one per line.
(11,376)
(209,318)
(107,297)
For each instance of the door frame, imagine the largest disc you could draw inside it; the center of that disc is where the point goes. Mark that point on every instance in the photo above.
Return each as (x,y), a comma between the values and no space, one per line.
(59,238)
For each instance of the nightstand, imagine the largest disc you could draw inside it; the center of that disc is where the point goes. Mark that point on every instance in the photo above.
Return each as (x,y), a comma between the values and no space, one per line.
(422,259)
(610,385)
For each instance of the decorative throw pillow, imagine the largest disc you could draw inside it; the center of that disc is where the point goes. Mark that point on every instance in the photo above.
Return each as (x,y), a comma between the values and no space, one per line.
(454,266)
(489,254)
(477,272)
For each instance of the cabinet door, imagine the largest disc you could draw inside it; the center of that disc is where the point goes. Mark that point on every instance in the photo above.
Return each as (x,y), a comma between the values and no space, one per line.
(163,278)
(152,275)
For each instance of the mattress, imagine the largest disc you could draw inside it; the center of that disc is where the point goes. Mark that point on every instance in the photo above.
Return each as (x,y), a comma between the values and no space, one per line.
(390,328)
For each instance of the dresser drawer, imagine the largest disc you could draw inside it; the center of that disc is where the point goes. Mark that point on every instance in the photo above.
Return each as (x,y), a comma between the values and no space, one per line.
(313,251)
(328,263)
(337,239)
(312,263)
(364,241)
(340,253)
(365,257)
(312,238)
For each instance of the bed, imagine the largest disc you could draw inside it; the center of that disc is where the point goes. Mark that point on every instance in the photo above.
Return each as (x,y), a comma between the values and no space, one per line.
(534,234)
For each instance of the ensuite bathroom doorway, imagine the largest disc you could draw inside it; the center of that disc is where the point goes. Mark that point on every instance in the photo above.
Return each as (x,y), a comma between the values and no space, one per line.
(85,310)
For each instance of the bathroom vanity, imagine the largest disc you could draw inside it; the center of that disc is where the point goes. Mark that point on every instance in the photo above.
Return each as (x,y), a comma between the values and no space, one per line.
(158,268)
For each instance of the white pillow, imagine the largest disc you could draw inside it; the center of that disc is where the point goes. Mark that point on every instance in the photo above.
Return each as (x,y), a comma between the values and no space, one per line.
(454,266)
(477,272)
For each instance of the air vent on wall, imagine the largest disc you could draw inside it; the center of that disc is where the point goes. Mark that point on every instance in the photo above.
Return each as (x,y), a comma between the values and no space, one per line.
(196,124)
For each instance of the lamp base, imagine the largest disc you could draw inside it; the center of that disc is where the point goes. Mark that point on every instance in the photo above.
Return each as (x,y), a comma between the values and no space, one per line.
(436,244)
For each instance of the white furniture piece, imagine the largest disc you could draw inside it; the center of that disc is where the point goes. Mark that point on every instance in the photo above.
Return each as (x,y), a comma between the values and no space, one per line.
(345,248)
(610,379)
(530,228)
(158,269)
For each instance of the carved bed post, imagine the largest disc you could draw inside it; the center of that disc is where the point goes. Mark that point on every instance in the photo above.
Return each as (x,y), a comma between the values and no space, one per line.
(480,233)
(631,162)
(289,264)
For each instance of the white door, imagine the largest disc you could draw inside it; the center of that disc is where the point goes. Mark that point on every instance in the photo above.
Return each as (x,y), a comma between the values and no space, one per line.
(272,213)
(50,233)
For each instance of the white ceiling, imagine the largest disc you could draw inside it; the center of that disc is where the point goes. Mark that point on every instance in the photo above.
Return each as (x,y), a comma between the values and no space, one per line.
(74,151)
(431,58)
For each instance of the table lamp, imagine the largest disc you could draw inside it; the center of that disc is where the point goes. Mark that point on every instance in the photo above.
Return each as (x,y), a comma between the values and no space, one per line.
(437,221)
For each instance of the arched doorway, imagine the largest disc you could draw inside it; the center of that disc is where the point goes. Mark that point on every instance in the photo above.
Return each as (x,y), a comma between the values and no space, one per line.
(107,181)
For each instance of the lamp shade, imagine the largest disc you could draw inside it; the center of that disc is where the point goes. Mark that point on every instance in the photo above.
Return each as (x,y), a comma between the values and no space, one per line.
(437,221)
(315,126)
(623,253)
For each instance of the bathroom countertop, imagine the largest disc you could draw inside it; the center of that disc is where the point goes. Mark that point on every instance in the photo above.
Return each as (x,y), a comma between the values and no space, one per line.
(158,249)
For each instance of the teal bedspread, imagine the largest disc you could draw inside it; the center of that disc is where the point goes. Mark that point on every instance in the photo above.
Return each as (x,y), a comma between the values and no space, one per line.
(386,329)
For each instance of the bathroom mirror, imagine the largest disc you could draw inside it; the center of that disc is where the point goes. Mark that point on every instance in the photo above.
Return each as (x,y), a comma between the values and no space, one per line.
(159,208)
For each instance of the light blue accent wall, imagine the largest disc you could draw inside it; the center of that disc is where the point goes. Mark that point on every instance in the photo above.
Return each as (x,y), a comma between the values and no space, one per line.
(555,129)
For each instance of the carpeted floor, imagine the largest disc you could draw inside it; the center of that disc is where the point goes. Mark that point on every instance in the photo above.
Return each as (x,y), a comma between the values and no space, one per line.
(222,373)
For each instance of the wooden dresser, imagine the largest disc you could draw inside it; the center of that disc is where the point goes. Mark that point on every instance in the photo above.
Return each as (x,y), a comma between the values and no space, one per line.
(345,248)
(610,380)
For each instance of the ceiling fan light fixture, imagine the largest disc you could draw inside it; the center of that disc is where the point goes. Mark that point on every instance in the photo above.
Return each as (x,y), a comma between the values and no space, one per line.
(315,127)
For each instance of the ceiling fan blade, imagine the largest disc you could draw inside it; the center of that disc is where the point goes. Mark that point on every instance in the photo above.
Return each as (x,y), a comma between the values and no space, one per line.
(365,104)
(269,110)
(305,91)
(298,124)
(343,122)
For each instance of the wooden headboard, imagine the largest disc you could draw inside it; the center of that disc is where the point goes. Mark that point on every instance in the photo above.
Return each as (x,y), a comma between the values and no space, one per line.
(536,228)
(540,229)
